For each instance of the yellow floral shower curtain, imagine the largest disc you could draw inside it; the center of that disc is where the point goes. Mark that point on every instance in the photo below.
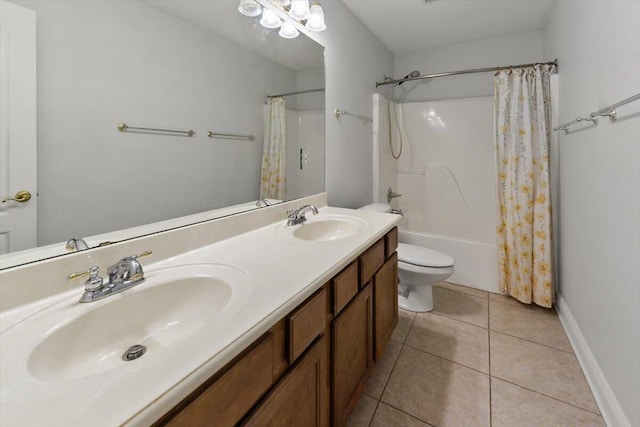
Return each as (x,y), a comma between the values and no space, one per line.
(522,114)
(272,175)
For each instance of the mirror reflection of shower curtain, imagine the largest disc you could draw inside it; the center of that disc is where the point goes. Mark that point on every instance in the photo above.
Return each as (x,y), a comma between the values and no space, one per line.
(272,175)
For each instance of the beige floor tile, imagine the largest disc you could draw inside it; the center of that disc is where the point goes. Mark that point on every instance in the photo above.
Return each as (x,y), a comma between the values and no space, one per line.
(437,391)
(386,416)
(546,370)
(504,298)
(405,319)
(453,340)
(382,370)
(514,406)
(363,412)
(531,322)
(459,306)
(464,289)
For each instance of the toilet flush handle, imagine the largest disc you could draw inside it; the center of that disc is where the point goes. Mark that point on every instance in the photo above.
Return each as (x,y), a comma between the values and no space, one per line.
(392,195)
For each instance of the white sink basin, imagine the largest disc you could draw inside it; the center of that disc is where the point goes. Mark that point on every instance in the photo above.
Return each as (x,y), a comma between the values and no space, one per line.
(327,228)
(170,305)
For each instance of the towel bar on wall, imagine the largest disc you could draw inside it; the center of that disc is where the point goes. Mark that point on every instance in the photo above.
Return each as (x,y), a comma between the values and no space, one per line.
(123,127)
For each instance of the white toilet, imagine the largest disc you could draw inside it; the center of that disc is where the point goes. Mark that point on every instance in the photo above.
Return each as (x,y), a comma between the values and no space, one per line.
(419,269)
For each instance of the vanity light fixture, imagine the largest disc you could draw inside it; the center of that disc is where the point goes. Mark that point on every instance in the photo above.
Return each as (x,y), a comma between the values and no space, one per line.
(312,17)
(270,19)
(288,31)
(299,9)
(316,18)
(249,8)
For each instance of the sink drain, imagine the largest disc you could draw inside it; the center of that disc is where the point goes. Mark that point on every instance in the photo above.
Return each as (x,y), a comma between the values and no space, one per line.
(134,352)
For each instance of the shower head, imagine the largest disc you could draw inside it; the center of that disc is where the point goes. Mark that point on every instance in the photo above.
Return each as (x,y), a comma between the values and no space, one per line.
(414,73)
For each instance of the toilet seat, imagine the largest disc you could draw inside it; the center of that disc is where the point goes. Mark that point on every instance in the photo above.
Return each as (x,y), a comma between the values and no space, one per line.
(423,257)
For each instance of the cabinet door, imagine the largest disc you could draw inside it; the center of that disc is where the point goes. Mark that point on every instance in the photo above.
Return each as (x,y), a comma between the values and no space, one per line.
(352,354)
(301,397)
(385,299)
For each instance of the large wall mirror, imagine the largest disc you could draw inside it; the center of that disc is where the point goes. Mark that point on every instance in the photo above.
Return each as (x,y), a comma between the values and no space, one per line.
(159,64)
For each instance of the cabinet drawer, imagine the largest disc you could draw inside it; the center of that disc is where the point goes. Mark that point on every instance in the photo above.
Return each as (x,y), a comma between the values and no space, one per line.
(371,261)
(345,287)
(391,242)
(306,323)
(233,393)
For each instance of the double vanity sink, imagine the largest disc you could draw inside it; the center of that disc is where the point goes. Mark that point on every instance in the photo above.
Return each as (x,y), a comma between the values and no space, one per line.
(130,357)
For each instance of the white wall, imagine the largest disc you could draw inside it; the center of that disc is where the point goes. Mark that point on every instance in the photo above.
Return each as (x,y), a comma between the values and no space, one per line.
(105,62)
(505,50)
(354,60)
(598,47)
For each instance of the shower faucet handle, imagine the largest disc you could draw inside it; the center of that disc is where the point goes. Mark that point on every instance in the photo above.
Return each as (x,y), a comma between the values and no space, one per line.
(392,195)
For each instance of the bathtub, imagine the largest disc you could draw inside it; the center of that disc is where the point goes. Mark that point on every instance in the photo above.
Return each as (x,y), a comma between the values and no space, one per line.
(476,264)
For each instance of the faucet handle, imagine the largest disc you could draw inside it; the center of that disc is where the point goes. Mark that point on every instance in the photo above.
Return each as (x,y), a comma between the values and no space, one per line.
(93,283)
(141,255)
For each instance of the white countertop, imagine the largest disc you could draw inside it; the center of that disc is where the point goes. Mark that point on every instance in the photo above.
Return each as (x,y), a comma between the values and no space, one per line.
(282,272)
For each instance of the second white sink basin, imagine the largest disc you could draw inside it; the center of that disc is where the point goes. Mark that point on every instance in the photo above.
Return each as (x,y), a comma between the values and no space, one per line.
(328,228)
(170,305)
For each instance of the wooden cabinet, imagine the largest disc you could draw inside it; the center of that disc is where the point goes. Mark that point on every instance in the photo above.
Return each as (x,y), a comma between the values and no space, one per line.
(345,287)
(351,334)
(225,399)
(311,367)
(300,397)
(371,260)
(385,297)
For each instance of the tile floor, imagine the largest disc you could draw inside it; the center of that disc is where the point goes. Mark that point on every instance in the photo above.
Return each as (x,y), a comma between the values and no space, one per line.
(478,359)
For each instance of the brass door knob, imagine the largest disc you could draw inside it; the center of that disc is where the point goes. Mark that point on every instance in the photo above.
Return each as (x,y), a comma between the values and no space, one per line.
(20,197)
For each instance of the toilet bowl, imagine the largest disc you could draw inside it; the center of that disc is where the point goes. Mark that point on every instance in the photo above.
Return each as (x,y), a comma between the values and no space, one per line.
(419,269)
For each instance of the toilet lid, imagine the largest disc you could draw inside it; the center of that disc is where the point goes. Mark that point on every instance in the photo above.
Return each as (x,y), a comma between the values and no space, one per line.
(418,255)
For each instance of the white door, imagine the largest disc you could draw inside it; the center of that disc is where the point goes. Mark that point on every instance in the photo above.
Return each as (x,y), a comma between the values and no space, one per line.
(18,219)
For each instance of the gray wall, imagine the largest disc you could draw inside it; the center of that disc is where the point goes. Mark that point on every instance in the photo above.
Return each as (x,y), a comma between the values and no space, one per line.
(105,62)
(354,60)
(599,193)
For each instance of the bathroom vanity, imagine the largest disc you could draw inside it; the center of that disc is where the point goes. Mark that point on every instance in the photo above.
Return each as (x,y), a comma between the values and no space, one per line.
(311,367)
(245,320)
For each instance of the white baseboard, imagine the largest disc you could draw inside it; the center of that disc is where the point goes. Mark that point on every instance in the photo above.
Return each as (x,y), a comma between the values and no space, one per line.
(609,406)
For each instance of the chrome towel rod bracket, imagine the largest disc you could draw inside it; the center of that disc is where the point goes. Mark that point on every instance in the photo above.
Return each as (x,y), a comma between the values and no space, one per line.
(337,112)
(123,127)
(212,134)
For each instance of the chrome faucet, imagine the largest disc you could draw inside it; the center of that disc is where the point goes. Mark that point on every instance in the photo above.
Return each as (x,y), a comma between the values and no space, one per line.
(298,215)
(392,195)
(261,202)
(76,244)
(123,275)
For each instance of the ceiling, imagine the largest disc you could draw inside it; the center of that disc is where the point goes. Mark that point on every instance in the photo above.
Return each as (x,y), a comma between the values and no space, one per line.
(221,17)
(412,25)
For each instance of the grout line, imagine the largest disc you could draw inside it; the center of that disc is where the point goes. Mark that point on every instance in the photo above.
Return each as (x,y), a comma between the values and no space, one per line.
(546,395)
(374,413)
(407,413)
(530,341)
(457,320)
(444,358)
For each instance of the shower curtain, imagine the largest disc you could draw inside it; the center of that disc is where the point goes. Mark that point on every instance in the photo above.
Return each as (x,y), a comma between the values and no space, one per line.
(272,175)
(522,114)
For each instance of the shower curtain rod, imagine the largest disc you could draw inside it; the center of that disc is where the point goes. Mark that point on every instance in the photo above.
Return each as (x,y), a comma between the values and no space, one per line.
(297,93)
(453,73)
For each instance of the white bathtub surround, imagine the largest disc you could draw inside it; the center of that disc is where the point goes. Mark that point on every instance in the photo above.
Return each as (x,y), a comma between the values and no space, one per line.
(139,393)
(523,132)
(272,181)
(446,176)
